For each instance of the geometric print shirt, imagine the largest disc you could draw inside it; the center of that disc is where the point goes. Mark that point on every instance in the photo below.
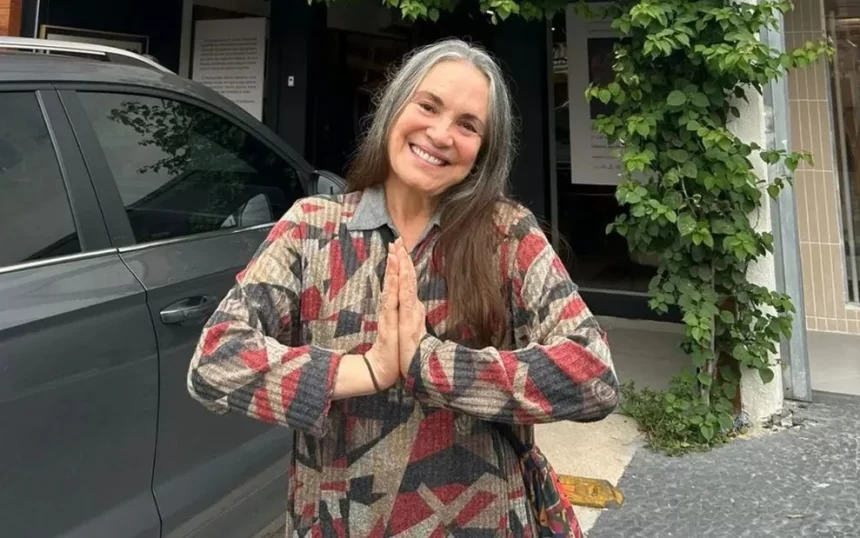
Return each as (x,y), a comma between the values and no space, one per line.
(421,458)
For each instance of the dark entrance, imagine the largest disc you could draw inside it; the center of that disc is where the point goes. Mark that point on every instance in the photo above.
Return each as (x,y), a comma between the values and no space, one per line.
(613,280)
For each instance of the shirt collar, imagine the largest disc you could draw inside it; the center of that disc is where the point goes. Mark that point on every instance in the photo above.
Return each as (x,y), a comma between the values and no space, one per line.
(372,212)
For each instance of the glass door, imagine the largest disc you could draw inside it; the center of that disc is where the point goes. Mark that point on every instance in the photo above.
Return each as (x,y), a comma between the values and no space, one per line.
(613,280)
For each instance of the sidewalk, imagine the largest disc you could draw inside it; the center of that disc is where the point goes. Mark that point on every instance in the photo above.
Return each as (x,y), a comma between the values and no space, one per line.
(799,482)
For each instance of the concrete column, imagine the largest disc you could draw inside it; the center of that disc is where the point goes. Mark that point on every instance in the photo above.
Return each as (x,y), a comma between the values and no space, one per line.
(10,17)
(759,400)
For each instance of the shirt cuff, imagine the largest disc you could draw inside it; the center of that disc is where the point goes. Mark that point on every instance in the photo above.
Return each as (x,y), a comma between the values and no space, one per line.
(426,347)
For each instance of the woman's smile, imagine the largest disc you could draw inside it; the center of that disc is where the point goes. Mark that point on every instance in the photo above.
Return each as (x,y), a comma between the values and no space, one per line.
(428,156)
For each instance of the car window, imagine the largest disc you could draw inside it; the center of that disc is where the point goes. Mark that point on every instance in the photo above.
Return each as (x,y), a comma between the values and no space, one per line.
(182,170)
(35,216)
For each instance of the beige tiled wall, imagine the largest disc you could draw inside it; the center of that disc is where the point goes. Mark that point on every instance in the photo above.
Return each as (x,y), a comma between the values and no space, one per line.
(818,205)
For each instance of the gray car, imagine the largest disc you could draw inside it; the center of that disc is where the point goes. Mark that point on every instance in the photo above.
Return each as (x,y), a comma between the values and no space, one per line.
(129,200)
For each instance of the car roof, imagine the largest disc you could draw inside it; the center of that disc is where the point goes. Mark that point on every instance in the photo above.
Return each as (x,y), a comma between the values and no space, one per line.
(50,68)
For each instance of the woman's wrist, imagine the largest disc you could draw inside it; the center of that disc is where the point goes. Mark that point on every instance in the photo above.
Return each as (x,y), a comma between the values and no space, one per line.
(354,378)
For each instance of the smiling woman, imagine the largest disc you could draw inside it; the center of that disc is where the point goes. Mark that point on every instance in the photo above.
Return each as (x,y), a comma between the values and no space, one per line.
(442,126)
(414,329)
(429,144)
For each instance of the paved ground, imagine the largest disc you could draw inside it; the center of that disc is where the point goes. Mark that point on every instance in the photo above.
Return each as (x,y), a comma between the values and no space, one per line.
(798,482)
(595,450)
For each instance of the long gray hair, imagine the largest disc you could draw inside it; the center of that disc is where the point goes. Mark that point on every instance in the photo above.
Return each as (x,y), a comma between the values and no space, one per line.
(470,236)
(489,177)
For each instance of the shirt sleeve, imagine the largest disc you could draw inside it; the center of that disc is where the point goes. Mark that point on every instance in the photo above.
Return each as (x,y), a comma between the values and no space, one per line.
(563,372)
(240,363)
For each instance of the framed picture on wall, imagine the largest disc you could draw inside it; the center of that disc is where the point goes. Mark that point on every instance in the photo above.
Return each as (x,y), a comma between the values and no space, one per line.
(138,44)
(590,57)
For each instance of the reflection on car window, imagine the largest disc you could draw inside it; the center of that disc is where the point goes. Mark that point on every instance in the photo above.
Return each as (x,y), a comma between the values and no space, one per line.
(182,170)
(35,216)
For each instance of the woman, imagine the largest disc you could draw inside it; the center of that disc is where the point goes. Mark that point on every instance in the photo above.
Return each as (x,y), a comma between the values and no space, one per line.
(326,329)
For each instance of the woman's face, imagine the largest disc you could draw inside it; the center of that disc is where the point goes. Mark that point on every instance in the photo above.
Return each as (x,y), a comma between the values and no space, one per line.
(434,143)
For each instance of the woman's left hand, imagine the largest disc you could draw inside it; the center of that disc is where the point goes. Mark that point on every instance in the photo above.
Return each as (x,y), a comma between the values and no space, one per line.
(412,313)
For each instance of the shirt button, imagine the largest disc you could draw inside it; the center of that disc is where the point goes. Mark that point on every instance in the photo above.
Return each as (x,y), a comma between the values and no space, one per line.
(463,425)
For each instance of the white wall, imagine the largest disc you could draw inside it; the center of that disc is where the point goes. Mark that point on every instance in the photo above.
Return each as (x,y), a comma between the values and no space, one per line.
(759,400)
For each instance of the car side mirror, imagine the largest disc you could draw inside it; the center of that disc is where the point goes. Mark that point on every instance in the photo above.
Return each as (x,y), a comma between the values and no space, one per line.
(325,182)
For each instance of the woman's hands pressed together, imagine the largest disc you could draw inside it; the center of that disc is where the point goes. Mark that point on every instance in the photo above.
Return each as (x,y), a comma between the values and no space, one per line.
(411,311)
(401,319)
(384,355)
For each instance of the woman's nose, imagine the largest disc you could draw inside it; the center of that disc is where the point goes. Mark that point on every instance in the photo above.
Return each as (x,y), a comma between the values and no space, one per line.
(440,133)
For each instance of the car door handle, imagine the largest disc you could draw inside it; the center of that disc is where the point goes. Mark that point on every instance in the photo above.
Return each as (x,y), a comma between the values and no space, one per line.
(190,308)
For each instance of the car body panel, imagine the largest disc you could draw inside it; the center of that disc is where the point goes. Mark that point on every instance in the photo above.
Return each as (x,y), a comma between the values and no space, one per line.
(106,439)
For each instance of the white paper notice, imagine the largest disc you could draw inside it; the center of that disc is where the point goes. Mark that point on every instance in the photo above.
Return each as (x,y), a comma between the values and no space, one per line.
(229,57)
(589,59)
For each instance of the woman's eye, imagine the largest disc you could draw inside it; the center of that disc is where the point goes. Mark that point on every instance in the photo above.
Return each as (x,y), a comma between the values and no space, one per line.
(426,106)
(469,127)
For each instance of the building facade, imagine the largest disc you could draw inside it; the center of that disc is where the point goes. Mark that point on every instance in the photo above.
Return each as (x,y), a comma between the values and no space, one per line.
(323,63)
(824,106)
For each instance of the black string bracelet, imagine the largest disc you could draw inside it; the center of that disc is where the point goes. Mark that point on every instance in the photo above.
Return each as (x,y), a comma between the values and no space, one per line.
(372,375)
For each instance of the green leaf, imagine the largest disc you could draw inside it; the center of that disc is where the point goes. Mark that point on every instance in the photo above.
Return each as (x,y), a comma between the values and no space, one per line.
(722,227)
(676,98)
(433,14)
(707,432)
(678,155)
(766,375)
(727,317)
(700,100)
(690,170)
(686,224)
(730,391)
(726,421)
(604,95)
(704,379)
(633,197)
(773,190)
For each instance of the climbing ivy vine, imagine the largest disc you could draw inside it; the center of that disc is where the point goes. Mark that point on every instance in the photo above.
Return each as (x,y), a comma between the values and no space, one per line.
(690,190)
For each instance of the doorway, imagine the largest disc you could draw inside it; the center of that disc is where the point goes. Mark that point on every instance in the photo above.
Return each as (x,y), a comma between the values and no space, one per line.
(362,41)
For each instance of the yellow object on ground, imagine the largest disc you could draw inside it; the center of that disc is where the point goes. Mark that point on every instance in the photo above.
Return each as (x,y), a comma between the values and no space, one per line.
(591,492)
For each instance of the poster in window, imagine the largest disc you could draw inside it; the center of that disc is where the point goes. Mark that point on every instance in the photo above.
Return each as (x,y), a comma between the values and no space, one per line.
(590,57)
(230,57)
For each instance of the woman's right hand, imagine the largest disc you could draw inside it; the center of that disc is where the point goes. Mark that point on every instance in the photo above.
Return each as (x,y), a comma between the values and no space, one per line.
(384,355)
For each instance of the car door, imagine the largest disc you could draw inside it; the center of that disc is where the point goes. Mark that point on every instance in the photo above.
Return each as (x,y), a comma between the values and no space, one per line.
(78,358)
(196,194)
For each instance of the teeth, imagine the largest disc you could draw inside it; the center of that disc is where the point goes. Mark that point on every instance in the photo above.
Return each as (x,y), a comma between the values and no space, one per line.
(426,156)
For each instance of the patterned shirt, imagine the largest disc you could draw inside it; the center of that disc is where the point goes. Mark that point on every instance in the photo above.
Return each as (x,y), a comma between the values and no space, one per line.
(422,458)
